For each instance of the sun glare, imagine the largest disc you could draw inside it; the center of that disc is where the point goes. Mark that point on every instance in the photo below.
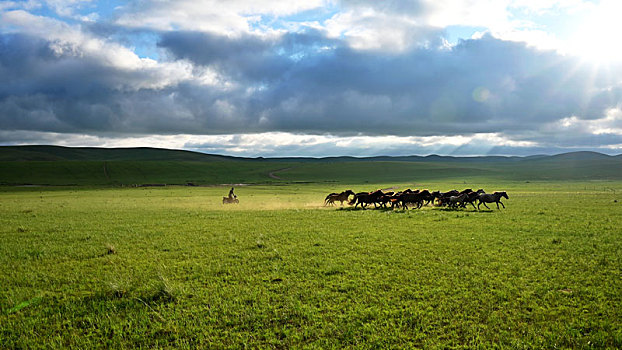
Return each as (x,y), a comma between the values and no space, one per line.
(597,38)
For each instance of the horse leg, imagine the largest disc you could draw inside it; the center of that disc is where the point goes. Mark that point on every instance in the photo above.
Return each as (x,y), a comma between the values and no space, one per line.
(501,204)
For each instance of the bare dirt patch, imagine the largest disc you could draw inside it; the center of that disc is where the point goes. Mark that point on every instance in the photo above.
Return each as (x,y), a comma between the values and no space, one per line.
(273,175)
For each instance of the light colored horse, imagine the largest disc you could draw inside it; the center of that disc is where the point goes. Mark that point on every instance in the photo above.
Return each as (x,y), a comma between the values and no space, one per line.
(230,200)
(491,198)
(333,197)
(455,201)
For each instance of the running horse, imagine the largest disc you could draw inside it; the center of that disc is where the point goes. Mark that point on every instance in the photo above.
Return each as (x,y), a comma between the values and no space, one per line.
(341,197)
(365,198)
(455,201)
(491,198)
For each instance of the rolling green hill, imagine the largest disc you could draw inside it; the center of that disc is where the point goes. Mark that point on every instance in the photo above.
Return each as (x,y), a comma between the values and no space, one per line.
(53,165)
(57,153)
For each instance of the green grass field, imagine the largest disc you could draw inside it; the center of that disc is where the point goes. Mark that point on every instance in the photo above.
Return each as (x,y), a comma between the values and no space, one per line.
(172,267)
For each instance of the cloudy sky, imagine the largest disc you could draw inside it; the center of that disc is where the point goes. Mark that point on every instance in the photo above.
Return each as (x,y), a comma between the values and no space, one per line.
(314,77)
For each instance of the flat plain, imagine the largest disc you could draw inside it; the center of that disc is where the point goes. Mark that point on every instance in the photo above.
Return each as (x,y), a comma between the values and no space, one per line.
(95,267)
(92,260)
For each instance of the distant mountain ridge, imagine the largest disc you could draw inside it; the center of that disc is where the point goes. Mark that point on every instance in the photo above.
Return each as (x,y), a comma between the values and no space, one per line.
(62,153)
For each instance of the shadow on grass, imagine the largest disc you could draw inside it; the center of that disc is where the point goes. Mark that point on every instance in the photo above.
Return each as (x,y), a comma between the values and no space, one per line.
(157,291)
(414,210)
(463,210)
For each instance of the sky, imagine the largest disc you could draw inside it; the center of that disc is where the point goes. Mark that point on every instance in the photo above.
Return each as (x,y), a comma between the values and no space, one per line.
(314,78)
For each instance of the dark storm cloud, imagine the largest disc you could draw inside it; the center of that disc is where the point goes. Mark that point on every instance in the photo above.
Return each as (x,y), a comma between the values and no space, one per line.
(420,92)
(306,83)
(44,90)
(249,59)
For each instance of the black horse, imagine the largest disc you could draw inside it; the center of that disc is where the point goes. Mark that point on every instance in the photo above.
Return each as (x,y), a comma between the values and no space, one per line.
(443,197)
(472,197)
(414,197)
(365,198)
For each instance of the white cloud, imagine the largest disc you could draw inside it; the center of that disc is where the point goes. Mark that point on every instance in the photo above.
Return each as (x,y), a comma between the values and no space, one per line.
(72,41)
(547,6)
(492,14)
(368,29)
(610,123)
(231,17)
(288,144)
(15,5)
(395,27)
(69,8)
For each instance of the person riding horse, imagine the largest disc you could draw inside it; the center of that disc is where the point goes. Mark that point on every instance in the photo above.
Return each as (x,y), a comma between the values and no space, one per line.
(231,194)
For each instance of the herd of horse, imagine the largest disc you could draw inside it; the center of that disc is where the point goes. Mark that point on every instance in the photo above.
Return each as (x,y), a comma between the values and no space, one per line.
(417,198)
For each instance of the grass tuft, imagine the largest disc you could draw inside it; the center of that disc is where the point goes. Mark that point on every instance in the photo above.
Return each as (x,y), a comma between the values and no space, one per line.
(161,291)
(117,289)
(110,249)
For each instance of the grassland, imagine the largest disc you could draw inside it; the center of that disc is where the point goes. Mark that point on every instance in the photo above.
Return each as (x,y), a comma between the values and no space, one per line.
(172,267)
(58,166)
(129,173)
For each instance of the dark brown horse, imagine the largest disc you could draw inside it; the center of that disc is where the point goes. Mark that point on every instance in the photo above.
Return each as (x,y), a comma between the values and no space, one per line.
(417,198)
(365,198)
(442,198)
